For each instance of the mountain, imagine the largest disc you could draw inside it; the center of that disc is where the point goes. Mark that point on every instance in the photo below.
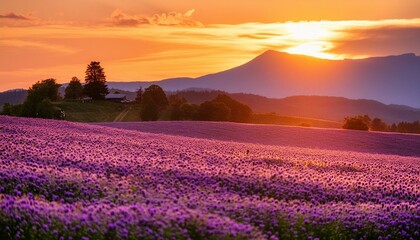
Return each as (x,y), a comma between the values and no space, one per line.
(319,107)
(391,79)
(15,96)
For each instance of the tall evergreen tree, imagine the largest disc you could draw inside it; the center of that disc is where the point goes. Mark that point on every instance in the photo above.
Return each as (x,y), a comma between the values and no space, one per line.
(95,78)
(74,90)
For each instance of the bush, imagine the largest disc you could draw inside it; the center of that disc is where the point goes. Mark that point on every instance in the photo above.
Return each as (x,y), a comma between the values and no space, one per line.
(357,123)
(378,125)
(213,111)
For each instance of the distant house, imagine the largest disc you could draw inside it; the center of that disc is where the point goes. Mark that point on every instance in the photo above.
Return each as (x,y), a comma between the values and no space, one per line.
(115,97)
(86,99)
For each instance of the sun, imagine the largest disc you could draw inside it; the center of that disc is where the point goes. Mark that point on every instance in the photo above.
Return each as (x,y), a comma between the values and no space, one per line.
(310,38)
(314,49)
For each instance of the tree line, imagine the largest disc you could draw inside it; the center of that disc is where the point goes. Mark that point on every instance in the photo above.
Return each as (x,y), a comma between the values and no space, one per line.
(38,103)
(156,105)
(364,122)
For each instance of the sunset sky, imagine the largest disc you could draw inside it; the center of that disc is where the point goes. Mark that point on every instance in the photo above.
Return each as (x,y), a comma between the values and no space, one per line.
(138,40)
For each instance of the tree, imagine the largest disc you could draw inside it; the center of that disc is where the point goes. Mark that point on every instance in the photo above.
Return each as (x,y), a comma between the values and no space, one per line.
(46,89)
(12,110)
(393,128)
(175,103)
(357,123)
(95,78)
(74,90)
(378,125)
(238,112)
(190,111)
(214,111)
(139,94)
(45,109)
(154,101)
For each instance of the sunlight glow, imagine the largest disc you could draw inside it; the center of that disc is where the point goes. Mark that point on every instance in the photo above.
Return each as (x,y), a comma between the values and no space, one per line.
(311,38)
(314,49)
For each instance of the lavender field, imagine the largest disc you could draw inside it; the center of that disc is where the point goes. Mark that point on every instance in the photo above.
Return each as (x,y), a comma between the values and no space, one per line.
(63,180)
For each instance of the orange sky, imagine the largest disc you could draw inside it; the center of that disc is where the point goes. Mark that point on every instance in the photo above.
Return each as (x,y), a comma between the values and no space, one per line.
(152,40)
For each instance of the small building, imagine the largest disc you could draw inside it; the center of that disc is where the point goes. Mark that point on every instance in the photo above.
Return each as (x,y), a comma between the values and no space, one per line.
(115,97)
(85,99)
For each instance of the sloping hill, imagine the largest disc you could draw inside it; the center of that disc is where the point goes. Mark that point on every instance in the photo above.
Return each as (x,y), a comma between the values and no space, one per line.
(391,79)
(320,107)
(15,96)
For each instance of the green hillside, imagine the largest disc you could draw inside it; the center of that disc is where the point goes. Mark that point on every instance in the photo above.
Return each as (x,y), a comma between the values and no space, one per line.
(99,111)
(108,111)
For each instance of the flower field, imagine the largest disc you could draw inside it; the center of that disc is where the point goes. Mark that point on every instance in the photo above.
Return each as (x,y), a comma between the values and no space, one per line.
(63,180)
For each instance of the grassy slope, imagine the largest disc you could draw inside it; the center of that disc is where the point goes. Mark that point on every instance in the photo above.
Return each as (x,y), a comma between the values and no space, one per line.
(293,121)
(96,111)
(107,111)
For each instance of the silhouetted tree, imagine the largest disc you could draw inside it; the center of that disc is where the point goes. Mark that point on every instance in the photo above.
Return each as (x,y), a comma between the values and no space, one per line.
(154,101)
(238,112)
(190,111)
(45,109)
(357,123)
(407,127)
(378,125)
(175,103)
(74,90)
(46,89)
(12,110)
(139,94)
(214,111)
(393,128)
(95,78)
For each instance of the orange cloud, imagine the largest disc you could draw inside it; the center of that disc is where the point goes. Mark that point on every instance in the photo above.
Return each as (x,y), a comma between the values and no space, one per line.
(162,47)
(14,16)
(119,18)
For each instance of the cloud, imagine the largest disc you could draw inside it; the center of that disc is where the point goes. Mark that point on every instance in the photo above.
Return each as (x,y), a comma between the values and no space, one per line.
(13,16)
(376,40)
(119,18)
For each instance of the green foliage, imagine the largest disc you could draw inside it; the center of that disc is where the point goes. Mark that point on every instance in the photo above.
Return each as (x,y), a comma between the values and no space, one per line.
(12,110)
(214,111)
(238,112)
(45,109)
(74,90)
(393,128)
(95,78)
(190,111)
(224,108)
(94,111)
(154,101)
(175,104)
(38,101)
(47,88)
(378,125)
(139,94)
(357,123)
(407,127)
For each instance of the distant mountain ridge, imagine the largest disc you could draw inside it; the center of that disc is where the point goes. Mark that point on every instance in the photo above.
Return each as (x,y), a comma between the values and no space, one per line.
(391,79)
(13,96)
(320,107)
